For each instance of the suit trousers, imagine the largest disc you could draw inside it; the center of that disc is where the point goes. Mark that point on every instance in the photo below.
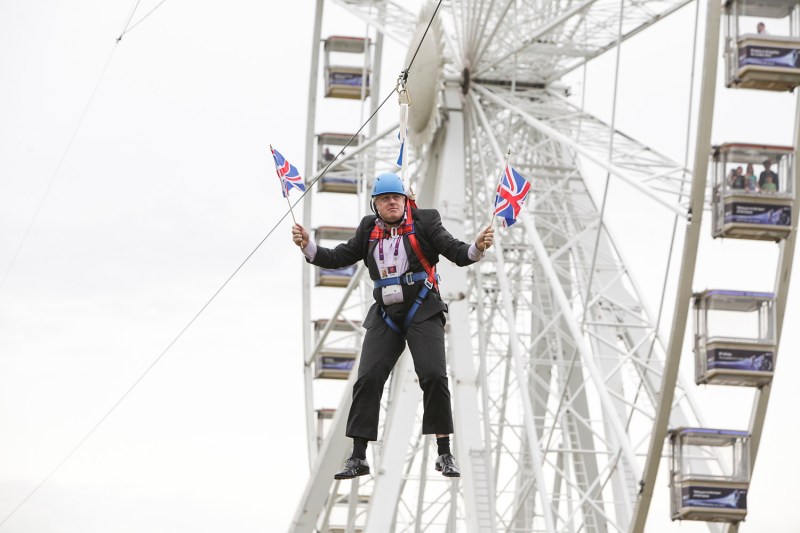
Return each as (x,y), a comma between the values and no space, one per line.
(381,349)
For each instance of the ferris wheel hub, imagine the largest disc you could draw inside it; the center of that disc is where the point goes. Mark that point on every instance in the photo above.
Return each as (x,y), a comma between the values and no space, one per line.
(465,79)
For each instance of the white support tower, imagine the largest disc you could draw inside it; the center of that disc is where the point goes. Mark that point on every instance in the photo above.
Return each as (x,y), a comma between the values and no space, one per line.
(558,365)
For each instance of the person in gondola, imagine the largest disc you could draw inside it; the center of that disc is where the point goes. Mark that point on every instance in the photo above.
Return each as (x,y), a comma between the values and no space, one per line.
(737,178)
(768,173)
(750,180)
(400,245)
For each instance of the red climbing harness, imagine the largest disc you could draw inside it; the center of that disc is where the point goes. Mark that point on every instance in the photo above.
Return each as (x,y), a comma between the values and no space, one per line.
(430,277)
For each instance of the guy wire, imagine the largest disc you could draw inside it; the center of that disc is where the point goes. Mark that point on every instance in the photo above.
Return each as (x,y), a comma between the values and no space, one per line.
(138,380)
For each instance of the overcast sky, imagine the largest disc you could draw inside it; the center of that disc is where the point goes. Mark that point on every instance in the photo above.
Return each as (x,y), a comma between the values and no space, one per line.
(164,190)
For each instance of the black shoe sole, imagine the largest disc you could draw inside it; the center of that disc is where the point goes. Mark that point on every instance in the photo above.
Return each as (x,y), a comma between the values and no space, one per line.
(339,476)
(439,469)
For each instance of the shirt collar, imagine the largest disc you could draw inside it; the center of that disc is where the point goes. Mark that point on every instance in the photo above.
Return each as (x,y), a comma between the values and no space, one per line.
(382,224)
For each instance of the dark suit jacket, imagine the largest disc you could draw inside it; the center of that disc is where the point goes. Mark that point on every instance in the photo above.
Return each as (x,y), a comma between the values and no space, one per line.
(434,240)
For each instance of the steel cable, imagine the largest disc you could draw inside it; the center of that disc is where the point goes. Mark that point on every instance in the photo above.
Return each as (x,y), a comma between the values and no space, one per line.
(155,361)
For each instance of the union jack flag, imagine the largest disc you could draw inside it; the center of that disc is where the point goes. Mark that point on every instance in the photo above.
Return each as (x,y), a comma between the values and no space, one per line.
(511,194)
(288,174)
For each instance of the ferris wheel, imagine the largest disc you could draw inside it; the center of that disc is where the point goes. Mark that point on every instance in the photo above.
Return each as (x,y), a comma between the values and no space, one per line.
(564,386)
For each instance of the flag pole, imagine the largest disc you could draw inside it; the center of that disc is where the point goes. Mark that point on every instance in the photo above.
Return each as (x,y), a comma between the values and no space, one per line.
(499,181)
(284,188)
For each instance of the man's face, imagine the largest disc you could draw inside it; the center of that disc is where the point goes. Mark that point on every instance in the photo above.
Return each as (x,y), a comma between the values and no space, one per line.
(390,207)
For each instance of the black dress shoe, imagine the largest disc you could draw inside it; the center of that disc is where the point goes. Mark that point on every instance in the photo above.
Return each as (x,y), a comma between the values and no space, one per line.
(353,467)
(446,464)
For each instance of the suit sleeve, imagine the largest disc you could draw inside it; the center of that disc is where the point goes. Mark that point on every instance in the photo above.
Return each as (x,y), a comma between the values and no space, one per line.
(443,241)
(345,254)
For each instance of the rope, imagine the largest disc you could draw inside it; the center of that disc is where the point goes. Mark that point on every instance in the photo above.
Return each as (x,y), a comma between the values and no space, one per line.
(160,356)
(404,77)
(171,344)
(130,17)
(408,68)
(127,28)
(57,171)
(10,266)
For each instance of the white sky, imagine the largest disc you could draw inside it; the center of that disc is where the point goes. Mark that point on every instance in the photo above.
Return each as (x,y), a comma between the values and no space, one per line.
(166,188)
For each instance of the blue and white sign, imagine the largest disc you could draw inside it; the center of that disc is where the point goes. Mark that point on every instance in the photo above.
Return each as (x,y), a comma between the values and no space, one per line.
(735,359)
(349,79)
(714,497)
(769,56)
(753,213)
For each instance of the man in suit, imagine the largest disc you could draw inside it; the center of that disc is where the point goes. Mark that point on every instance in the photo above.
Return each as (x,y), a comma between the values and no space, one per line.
(400,246)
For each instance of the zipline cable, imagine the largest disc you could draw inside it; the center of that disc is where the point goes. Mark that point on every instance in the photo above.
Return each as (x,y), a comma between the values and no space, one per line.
(127,29)
(58,169)
(172,343)
(72,137)
(403,77)
(433,16)
(130,18)
(160,356)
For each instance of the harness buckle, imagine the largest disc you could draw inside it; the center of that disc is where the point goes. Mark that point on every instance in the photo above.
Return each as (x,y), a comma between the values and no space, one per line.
(408,278)
(429,284)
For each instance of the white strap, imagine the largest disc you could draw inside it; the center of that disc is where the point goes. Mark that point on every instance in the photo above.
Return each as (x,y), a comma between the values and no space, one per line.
(403,135)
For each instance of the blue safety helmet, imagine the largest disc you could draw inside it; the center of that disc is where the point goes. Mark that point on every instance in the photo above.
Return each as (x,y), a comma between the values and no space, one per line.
(388,183)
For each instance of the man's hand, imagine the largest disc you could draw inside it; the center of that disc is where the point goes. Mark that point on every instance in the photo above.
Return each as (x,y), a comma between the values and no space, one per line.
(300,236)
(485,239)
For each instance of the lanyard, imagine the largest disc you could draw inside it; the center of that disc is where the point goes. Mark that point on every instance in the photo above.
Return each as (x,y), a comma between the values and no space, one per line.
(396,248)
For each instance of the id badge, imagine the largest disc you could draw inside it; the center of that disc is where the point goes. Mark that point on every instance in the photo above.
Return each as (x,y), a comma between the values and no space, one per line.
(393,294)
(389,271)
